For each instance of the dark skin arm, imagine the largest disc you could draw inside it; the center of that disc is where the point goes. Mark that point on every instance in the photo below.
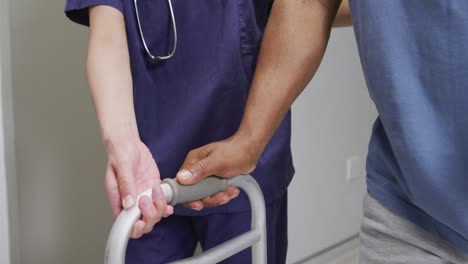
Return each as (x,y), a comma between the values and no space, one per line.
(293,46)
(343,17)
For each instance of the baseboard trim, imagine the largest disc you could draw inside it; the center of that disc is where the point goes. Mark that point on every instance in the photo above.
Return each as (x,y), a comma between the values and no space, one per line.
(327,254)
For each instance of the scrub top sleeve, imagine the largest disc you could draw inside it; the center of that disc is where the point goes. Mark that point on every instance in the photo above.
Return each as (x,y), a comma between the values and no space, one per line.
(77,10)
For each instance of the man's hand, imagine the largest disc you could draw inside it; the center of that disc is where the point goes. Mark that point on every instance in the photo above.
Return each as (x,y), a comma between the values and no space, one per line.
(228,158)
(131,170)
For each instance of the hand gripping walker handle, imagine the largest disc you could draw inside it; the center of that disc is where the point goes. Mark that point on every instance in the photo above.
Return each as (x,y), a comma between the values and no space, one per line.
(187,193)
(176,193)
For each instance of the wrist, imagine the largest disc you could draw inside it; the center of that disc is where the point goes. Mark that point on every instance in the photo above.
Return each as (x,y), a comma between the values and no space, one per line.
(118,139)
(253,143)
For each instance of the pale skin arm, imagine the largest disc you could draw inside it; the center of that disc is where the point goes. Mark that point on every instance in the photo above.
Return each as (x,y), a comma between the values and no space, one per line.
(292,49)
(131,168)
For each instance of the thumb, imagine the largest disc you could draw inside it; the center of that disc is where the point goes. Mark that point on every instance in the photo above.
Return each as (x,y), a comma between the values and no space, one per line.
(198,171)
(127,186)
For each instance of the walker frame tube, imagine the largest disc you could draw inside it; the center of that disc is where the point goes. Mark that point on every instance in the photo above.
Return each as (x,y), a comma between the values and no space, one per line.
(176,193)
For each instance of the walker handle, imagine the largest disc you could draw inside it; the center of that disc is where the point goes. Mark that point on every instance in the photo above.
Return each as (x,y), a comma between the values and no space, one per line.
(186,193)
(176,193)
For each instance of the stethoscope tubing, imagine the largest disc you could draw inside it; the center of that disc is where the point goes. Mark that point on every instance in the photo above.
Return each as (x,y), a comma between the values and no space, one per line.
(142,35)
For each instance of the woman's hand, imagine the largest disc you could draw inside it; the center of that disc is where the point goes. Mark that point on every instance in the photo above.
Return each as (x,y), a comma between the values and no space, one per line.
(131,170)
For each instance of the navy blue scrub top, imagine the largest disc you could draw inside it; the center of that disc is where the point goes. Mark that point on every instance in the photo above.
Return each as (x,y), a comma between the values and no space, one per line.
(199,95)
(414,56)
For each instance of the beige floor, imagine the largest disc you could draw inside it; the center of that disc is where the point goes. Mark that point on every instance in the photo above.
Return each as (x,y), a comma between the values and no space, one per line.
(351,257)
(345,254)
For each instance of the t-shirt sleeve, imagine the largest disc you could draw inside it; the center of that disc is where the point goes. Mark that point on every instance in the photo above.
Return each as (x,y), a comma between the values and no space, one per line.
(77,10)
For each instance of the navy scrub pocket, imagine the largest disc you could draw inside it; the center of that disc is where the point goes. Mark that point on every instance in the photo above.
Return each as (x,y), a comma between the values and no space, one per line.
(253,16)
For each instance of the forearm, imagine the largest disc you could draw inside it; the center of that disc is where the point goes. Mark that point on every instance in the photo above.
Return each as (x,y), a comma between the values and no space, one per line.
(293,46)
(109,75)
(343,17)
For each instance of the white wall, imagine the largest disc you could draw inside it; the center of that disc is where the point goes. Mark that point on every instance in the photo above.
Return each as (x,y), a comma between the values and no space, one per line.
(4,222)
(331,122)
(60,160)
(9,246)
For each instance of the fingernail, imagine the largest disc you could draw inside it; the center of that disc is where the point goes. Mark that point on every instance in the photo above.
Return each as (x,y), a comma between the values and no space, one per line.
(223,202)
(159,193)
(140,230)
(185,175)
(197,208)
(236,193)
(127,202)
(170,210)
(144,202)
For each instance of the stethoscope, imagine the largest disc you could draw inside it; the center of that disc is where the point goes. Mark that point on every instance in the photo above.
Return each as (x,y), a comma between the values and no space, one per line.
(154,57)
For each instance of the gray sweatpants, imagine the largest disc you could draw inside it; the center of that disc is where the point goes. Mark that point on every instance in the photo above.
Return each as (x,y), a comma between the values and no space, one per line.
(388,238)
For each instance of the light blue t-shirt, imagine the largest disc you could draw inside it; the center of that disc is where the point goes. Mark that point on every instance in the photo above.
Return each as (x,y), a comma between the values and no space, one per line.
(414,55)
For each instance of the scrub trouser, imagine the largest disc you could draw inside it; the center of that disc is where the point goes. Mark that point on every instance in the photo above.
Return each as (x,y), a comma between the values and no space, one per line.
(387,238)
(176,237)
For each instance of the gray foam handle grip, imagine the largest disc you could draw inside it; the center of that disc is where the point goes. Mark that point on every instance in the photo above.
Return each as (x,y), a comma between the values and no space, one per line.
(186,193)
